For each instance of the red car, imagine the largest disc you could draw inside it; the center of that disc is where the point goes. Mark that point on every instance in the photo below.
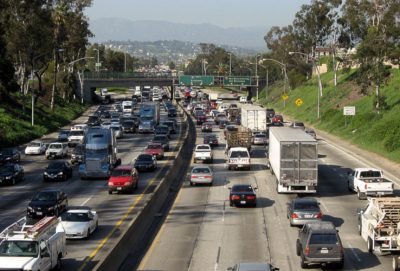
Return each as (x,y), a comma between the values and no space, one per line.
(123,179)
(155,149)
(213,105)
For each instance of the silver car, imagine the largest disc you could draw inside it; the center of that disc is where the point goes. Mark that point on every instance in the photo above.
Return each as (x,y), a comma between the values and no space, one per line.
(260,139)
(201,175)
(117,129)
(303,210)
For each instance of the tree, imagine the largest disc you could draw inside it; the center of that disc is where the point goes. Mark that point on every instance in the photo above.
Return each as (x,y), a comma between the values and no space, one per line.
(171,65)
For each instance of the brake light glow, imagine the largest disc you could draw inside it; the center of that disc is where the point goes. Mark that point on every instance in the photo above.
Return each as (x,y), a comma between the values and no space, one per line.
(235,197)
(194,177)
(251,197)
(207,177)
(366,186)
(307,250)
(319,215)
(128,183)
(294,215)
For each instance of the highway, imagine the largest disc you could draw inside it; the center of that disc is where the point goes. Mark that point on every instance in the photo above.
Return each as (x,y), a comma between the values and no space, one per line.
(203,233)
(115,211)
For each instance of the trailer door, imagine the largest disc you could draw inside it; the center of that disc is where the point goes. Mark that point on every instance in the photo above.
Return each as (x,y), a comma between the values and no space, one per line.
(289,162)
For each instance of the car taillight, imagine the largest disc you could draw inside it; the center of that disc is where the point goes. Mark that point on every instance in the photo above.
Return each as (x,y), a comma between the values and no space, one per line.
(207,177)
(128,183)
(251,197)
(319,215)
(307,250)
(235,197)
(110,183)
(365,186)
(194,177)
(294,215)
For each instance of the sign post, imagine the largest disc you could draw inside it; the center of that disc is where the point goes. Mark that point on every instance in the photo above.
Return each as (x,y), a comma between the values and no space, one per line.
(348,111)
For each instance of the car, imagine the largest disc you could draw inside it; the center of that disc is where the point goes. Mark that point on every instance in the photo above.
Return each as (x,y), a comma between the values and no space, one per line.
(311,132)
(78,222)
(63,135)
(117,129)
(57,150)
(219,101)
(201,175)
(155,149)
(58,170)
(171,124)
(128,126)
(270,113)
(211,140)
(253,267)
(275,124)
(223,123)
(78,154)
(297,125)
(163,140)
(172,112)
(303,210)
(319,243)
(260,139)
(162,130)
(213,113)
(11,174)
(106,125)
(207,127)
(93,120)
(243,99)
(35,147)
(220,117)
(277,118)
(242,195)
(124,178)
(145,162)
(10,155)
(47,202)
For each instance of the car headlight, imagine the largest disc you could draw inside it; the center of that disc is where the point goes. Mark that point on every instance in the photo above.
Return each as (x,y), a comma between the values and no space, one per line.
(9,177)
(50,208)
(60,173)
(46,173)
(30,208)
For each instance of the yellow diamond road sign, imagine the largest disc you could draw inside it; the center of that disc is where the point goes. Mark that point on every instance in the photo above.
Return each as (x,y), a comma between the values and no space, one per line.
(285,97)
(299,102)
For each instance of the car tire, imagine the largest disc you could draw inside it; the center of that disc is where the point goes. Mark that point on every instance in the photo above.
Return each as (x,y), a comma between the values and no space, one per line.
(395,263)
(87,234)
(340,265)
(231,203)
(58,264)
(109,192)
(65,178)
(298,248)
(13,182)
(360,195)
(348,186)
(370,246)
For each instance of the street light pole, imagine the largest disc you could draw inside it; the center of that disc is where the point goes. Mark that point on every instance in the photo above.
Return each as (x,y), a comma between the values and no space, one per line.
(319,93)
(125,62)
(98,59)
(257,75)
(230,64)
(71,65)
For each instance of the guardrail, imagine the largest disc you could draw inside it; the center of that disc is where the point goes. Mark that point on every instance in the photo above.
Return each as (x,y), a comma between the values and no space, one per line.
(138,227)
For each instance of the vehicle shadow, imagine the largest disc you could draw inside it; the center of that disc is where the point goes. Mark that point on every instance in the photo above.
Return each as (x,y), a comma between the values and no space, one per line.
(337,221)
(334,181)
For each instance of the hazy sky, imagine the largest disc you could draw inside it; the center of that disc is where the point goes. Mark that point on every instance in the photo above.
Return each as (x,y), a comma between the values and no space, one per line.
(224,13)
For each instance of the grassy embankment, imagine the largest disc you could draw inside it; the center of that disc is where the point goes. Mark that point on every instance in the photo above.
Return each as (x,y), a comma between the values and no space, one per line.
(15,121)
(376,132)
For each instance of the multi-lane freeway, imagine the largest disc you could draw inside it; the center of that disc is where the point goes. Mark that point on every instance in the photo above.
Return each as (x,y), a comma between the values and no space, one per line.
(202,232)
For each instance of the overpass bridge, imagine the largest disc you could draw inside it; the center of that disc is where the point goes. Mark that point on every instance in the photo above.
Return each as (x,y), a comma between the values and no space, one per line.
(93,80)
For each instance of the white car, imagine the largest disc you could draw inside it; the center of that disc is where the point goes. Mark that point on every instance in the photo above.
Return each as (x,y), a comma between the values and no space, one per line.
(35,147)
(117,129)
(79,222)
(243,99)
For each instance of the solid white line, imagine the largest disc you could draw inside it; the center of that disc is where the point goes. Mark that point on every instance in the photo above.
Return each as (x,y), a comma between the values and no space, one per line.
(354,252)
(87,200)
(216,267)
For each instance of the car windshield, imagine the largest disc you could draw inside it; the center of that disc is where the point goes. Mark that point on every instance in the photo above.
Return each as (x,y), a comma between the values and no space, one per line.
(306,205)
(34,144)
(202,148)
(239,154)
(154,147)
(120,172)
(11,248)
(128,123)
(159,138)
(201,170)
(6,169)
(77,133)
(242,188)
(6,152)
(260,136)
(145,158)
(55,146)
(75,217)
(56,165)
(323,239)
(45,196)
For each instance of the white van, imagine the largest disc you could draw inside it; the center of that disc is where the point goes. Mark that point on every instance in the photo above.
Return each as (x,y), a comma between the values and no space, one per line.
(127,107)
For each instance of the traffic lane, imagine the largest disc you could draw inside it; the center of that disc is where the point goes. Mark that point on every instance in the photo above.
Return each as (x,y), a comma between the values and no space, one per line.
(338,206)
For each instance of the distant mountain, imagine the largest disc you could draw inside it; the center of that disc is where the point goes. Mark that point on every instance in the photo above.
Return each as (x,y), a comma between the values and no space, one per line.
(106,29)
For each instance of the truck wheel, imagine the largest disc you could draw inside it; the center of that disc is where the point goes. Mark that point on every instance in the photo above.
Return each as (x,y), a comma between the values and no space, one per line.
(361,195)
(303,263)
(58,264)
(298,249)
(359,228)
(395,263)
(348,186)
(370,246)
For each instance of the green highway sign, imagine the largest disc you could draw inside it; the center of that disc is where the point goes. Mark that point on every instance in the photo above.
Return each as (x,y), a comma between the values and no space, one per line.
(194,80)
(237,80)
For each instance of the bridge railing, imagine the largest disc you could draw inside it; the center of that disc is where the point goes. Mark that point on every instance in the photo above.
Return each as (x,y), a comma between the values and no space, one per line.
(126,75)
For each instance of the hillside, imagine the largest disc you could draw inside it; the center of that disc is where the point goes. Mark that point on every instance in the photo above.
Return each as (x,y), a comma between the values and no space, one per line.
(379,133)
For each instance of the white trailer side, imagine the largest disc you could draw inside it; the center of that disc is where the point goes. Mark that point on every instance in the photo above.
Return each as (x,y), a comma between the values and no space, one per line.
(254,117)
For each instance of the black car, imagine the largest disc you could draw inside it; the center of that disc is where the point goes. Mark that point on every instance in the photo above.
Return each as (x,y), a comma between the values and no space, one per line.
(105,114)
(57,170)
(10,156)
(63,135)
(11,174)
(211,140)
(242,195)
(145,162)
(47,202)
(163,140)
(128,126)
(171,124)
(78,154)
(172,112)
(162,130)
(93,120)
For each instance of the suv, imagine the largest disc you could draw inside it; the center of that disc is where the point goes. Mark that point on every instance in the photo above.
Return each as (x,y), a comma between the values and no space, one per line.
(57,150)
(319,242)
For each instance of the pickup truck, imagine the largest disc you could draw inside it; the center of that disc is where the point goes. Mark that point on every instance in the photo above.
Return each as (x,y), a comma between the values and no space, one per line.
(239,158)
(203,152)
(369,182)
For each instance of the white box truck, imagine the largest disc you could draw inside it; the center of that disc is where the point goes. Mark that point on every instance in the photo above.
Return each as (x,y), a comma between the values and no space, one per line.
(32,247)
(254,117)
(293,159)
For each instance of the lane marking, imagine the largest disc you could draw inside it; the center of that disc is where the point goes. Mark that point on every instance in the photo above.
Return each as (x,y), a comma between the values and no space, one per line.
(324,205)
(156,240)
(223,212)
(353,252)
(87,200)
